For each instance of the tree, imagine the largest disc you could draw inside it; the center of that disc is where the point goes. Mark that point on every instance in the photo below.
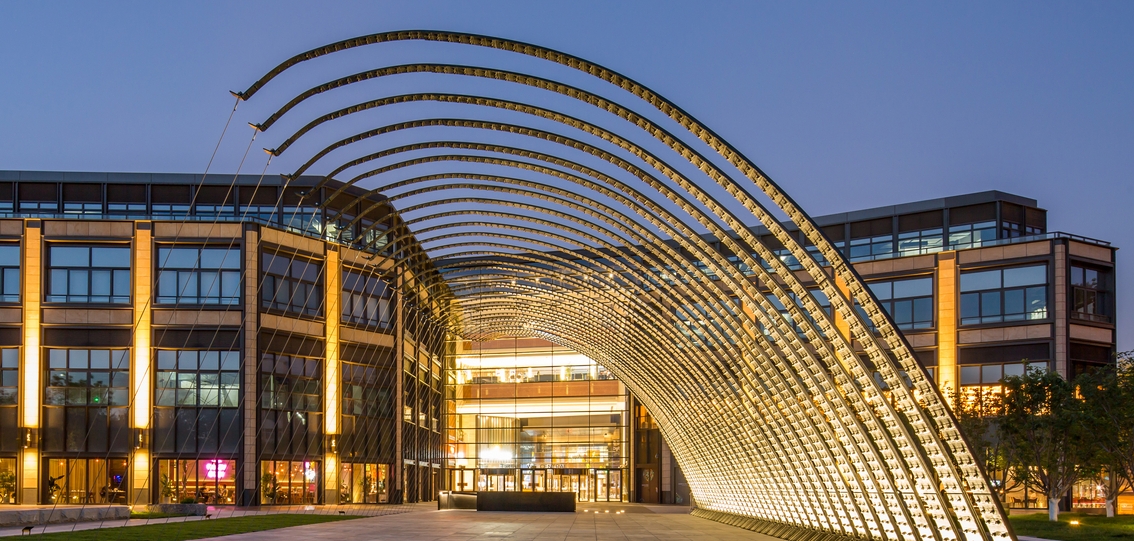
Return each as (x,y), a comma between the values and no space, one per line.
(1046,434)
(980,419)
(1108,401)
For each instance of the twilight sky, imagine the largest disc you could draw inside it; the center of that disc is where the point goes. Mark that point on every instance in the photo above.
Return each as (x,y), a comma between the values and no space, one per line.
(845,105)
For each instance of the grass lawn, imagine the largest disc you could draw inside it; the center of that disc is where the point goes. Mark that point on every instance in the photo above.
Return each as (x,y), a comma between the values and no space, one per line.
(197,529)
(1090,528)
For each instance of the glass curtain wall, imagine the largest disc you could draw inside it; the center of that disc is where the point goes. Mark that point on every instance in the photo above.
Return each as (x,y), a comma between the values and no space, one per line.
(535,418)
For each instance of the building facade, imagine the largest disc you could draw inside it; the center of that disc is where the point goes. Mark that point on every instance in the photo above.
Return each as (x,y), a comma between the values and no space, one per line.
(166,338)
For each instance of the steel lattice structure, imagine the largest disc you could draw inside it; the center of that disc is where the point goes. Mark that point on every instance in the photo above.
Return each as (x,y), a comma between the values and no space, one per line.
(652,269)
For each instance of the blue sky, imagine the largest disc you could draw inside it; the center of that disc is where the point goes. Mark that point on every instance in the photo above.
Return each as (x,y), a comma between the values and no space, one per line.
(845,105)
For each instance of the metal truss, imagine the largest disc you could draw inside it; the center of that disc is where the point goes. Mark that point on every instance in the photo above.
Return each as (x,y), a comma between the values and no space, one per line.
(790,400)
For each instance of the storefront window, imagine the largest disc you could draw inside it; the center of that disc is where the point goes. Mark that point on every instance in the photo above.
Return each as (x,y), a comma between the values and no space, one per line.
(289,482)
(211,481)
(82,481)
(7,480)
(363,483)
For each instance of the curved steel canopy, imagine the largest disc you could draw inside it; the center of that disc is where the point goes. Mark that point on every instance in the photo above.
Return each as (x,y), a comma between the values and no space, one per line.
(748,363)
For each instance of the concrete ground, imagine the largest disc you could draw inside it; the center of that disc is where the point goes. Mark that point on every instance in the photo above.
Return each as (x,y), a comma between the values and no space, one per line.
(593,521)
(221,512)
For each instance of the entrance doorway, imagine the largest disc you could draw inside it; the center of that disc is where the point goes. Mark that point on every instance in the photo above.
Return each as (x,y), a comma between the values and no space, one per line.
(462,480)
(607,485)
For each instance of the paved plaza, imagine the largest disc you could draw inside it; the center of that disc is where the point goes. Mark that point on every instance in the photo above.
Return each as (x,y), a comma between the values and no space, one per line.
(592,521)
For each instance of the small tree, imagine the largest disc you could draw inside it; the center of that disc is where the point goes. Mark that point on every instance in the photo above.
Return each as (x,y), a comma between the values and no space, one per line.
(1108,400)
(980,419)
(1045,433)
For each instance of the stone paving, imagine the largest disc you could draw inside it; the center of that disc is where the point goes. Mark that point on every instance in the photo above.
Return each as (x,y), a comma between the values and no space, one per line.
(598,522)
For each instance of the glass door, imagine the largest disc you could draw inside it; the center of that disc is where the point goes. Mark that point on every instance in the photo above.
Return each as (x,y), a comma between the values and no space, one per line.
(614,488)
(602,485)
(461,480)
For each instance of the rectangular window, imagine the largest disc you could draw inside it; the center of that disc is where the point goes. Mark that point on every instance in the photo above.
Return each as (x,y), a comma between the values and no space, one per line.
(198,395)
(1091,293)
(198,275)
(291,284)
(1004,295)
(303,219)
(908,302)
(926,241)
(291,404)
(971,235)
(89,274)
(9,378)
(9,395)
(367,300)
(86,399)
(9,273)
(878,247)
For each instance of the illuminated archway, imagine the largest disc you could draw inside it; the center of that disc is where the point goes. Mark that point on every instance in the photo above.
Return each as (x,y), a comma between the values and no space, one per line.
(636,247)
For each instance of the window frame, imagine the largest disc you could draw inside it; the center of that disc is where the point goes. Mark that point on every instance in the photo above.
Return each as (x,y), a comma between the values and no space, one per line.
(361,295)
(198,276)
(1103,292)
(272,283)
(8,273)
(984,296)
(53,271)
(177,363)
(890,301)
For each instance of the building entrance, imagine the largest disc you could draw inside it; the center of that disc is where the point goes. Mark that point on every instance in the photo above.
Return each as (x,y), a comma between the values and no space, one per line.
(588,484)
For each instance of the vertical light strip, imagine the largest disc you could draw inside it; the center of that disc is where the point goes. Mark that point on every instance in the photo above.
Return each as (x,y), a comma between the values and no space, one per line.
(333,295)
(331,393)
(141,372)
(947,323)
(30,370)
(31,367)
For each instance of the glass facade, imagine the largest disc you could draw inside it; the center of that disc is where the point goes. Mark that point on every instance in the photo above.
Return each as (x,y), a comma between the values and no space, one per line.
(536,419)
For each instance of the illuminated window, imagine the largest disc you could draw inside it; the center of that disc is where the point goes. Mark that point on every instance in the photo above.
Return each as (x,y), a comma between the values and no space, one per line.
(210,481)
(877,247)
(926,241)
(971,235)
